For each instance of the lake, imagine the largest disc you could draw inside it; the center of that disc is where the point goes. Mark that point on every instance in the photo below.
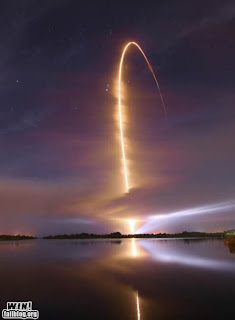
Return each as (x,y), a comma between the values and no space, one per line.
(128,279)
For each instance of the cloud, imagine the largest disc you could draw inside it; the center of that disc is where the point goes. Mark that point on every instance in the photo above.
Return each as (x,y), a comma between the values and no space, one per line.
(194,168)
(221,14)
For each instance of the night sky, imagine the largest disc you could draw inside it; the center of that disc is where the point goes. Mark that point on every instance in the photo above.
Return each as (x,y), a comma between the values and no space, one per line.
(60,164)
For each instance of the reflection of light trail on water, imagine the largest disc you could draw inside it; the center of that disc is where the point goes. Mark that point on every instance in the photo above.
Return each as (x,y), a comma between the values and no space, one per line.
(120,104)
(137,305)
(163,252)
(153,221)
(134,248)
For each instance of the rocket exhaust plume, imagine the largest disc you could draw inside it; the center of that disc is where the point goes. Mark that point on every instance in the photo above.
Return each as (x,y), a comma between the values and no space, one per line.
(125,169)
(132,225)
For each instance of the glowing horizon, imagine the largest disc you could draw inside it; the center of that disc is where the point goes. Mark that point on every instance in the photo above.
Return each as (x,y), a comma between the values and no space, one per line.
(125,168)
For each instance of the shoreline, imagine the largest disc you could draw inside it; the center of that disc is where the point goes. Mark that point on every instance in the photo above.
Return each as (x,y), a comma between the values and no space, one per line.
(118,235)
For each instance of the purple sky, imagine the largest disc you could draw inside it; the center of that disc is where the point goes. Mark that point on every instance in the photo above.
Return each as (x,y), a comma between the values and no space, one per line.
(60,164)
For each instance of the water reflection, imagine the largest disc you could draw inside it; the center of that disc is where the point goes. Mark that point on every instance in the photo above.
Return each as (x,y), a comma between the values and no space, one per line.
(231,244)
(138,305)
(129,279)
(134,254)
(163,251)
(182,253)
(134,248)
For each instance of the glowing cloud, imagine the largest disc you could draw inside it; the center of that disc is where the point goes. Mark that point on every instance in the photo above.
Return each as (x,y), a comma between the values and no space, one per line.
(132,225)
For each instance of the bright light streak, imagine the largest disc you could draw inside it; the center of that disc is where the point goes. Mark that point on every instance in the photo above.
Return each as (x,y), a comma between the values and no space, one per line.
(138,305)
(127,186)
(132,225)
(152,221)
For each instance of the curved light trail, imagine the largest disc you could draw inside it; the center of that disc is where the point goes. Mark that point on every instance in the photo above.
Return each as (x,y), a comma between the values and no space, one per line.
(127,187)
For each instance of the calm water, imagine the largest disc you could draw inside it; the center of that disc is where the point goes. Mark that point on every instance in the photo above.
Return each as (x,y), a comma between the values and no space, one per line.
(124,280)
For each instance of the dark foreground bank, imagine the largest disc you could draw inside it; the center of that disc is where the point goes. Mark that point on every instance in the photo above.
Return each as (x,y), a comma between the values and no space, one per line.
(7,237)
(185,234)
(118,235)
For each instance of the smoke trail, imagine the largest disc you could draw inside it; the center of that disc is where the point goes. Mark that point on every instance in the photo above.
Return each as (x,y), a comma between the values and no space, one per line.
(120,104)
(152,221)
